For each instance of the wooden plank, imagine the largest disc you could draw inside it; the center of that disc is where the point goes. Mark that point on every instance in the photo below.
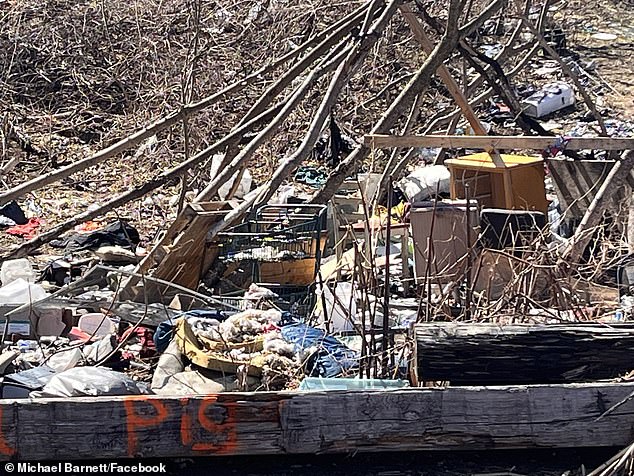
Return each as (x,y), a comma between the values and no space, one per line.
(454,418)
(467,354)
(300,272)
(181,256)
(380,141)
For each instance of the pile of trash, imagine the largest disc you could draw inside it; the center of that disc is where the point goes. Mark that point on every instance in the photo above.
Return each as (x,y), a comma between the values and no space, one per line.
(72,335)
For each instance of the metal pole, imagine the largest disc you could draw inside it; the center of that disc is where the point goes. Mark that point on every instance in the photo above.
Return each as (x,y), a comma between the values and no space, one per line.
(386,289)
(468,297)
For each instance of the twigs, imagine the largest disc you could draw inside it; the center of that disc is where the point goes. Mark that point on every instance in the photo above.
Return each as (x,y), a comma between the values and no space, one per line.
(620,464)
(417,85)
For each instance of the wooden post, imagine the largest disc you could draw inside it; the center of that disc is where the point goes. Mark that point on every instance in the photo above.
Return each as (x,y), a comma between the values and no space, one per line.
(450,83)
(488,354)
(381,141)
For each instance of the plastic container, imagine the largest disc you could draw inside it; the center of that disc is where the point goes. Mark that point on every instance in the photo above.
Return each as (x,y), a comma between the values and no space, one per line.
(551,98)
(342,311)
(17,268)
(21,291)
(318,383)
(96,323)
(26,345)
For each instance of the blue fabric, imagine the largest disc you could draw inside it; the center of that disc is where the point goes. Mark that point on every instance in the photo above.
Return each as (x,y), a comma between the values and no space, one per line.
(288,318)
(206,314)
(332,357)
(163,335)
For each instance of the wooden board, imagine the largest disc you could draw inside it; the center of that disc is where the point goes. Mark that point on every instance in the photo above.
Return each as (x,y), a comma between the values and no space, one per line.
(299,272)
(182,256)
(460,418)
(522,353)
(498,142)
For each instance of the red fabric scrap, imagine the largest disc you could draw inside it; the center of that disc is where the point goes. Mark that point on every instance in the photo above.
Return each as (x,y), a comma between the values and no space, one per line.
(269,327)
(144,337)
(77,334)
(28,230)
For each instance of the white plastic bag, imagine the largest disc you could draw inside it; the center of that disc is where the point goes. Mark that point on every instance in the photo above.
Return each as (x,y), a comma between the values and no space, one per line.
(21,292)
(64,360)
(90,382)
(17,268)
(423,182)
(245,183)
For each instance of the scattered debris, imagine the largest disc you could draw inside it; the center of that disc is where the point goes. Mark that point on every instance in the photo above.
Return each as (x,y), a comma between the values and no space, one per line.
(438,259)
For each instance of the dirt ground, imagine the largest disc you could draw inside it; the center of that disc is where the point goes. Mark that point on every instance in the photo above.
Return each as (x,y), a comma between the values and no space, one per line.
(613,57)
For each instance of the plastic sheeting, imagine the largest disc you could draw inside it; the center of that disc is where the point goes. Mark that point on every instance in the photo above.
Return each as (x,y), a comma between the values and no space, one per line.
(90,382)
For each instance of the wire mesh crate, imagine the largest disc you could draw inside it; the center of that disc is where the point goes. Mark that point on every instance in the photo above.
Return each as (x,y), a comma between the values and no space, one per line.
(277,233)
(299,300)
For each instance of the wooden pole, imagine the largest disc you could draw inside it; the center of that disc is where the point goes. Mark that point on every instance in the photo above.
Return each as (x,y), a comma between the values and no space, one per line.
(168,120)
(567,70)
(380,141)
(174,173)
(418,84)
(355,57)
(386,290)
(446,77)
(227,172)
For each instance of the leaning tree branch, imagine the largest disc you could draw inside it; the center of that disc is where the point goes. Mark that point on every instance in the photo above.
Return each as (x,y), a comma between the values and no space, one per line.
(138,192)
(169,120)
(227,172)
(416,86)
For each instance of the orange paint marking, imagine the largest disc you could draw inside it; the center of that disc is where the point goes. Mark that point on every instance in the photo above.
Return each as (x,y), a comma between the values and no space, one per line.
(186,424)
(135,421)
(5,449)
(226,429)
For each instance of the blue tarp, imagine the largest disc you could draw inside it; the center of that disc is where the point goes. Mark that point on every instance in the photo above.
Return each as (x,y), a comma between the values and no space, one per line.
(331,359)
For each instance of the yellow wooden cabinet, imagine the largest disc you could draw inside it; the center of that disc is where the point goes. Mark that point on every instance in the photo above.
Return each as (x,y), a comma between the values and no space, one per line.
(519,185)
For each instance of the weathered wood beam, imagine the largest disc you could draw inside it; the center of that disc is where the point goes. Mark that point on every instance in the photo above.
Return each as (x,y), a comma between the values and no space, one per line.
(381,141)
(481,354)
(454,418)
